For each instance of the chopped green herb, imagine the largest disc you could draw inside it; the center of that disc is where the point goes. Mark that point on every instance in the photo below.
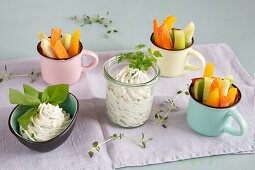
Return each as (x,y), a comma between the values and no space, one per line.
(139,60)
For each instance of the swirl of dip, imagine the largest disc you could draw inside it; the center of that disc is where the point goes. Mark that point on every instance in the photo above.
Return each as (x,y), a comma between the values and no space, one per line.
(129,106)
(49,122)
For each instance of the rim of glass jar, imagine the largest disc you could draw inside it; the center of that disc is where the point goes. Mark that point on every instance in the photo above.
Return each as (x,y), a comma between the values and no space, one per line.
(110,78)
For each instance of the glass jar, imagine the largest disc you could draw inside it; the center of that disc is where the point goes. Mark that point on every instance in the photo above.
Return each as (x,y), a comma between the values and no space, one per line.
(128,105)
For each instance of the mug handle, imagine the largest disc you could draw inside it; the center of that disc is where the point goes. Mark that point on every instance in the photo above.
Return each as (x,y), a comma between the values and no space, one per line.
(199,57)
(240,120)
(91,54)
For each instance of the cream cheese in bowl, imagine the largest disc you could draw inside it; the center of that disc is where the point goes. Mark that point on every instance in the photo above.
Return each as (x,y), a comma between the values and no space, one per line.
(49,122)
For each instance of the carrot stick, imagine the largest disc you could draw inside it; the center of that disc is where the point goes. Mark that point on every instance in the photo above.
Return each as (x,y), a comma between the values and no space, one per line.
(55,35)
(59,50)
(75,42)
(164,37)
(156,36)
(43,52)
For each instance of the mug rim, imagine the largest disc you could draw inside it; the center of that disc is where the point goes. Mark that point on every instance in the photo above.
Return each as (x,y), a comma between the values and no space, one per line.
(39,47)
(170,49)
(212,107)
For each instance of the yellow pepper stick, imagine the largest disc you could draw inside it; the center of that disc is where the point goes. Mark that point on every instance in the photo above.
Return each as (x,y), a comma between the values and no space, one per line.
(232,95)
(208,70)
(214,98)
(169,21)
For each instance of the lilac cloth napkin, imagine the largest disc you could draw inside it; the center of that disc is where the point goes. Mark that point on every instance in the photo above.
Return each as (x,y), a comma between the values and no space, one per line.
(176,142)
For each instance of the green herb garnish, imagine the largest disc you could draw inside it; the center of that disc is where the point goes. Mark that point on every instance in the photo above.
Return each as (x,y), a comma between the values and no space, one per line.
(52,94)
(138,59)
(9,76)
(24,119)
(96,146)
(160,118)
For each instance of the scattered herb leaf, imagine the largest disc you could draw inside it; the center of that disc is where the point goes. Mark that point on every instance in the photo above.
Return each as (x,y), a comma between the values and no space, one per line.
(144,145)
(91,154)
(179,92)
(95,144)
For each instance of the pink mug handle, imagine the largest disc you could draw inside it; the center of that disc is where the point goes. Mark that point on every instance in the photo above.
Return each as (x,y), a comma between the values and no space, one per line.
(91,54)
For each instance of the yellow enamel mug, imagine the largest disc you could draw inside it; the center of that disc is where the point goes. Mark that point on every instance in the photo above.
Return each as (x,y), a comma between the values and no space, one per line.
(174,62)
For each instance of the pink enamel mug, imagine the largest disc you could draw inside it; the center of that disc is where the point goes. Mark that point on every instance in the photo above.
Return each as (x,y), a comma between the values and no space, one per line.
(65,71)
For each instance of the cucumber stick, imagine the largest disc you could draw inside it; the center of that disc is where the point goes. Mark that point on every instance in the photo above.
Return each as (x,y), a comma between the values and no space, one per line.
(224,87)
(179,39)
(207,84)
(66,40)
(230,78)
(198,89)
(189,32)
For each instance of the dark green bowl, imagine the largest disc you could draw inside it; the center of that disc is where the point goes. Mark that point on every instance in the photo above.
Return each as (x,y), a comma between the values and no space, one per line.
(70,105)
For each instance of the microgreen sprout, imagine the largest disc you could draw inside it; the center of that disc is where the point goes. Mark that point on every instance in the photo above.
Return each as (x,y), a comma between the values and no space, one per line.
(96,145)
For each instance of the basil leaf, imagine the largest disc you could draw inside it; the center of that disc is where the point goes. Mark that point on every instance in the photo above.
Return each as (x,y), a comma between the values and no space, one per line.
(17,97)
(24,120)
(55,94)
(30,91)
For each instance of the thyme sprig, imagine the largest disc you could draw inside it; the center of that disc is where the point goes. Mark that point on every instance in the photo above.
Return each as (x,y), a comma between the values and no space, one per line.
(10,75)
(96,145)
(160,118)
(104,20)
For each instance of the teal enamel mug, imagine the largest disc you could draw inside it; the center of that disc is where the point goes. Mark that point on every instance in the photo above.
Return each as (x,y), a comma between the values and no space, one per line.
(214,121)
